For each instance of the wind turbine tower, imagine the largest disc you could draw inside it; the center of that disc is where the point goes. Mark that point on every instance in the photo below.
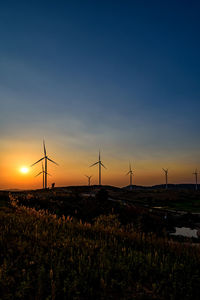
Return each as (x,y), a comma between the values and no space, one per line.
(166,178)
(196,179)
(99,162)
(89,179)
(130,172)
(46,158)
(43,175)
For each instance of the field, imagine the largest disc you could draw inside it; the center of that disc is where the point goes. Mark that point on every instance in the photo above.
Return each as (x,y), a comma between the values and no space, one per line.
(142,207)
(175,199)
(116,251)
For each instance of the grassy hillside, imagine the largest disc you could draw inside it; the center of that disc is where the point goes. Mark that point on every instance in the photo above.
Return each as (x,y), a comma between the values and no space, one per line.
(46,257)
(176,199)
(136,207)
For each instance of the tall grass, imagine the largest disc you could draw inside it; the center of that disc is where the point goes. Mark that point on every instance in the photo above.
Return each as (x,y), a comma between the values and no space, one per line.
(46,257)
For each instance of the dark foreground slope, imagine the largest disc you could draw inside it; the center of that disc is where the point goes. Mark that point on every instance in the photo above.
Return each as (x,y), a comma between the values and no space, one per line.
(46,257)
(143,208)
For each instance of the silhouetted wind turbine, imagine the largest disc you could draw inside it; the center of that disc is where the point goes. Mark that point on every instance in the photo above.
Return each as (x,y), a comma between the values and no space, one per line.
(89,178)
(130,172)
(46,158)
(166,177)
(196,179)
(43,173)
(100,164)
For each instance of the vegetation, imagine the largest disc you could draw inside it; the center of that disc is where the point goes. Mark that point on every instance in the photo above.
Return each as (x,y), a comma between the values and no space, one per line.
(44,256)
(87,208)
(175,199)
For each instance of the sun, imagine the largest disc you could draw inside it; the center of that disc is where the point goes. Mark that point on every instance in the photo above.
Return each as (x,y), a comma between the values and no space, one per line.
(24,170)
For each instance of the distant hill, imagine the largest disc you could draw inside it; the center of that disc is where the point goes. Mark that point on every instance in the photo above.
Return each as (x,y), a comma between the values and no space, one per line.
(10,190)
(83,188)
(185,186)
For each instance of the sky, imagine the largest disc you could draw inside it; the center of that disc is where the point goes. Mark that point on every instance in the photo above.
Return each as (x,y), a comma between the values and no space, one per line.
(120,76)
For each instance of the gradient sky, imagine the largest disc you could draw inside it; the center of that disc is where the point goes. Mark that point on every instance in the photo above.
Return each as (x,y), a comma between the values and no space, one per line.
(122,76)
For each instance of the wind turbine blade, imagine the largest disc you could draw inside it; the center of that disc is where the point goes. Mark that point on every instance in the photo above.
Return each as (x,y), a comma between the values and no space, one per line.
(94,164)
(99,155)
(38,174)
(45,153)
(46,173)
(103,165)
(128,173)
(52,161)
(42,167)
(37,161)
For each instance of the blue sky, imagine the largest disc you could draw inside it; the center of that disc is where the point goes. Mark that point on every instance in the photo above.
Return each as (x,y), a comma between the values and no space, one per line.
(120,75)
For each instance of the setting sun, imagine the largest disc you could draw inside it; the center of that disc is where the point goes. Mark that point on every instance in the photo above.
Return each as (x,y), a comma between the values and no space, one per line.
(24,170)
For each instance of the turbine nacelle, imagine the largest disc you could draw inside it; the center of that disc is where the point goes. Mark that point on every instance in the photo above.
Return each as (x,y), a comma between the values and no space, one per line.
(195,172)
(42,172)
(98,162)
(88,176)
(165,170)
(130,170)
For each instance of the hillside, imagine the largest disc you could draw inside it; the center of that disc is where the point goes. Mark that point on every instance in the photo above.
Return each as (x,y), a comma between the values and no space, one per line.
(45,257)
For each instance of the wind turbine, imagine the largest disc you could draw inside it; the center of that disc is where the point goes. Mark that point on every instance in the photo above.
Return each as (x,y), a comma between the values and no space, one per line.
(88,177)
(196,179)
(46,158)
(100,164)
(166,177)
(43,173)
(130,172)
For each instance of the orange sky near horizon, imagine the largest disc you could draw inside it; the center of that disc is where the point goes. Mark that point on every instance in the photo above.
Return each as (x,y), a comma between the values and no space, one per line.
(74,165)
